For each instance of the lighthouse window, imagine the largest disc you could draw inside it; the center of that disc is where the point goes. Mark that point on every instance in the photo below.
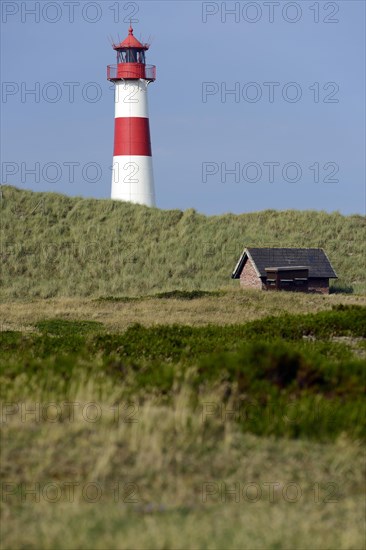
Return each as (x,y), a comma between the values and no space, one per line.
(121,57)
(131,56)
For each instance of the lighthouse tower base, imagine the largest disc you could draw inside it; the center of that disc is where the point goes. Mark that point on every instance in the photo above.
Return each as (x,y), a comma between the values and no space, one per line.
(132,179)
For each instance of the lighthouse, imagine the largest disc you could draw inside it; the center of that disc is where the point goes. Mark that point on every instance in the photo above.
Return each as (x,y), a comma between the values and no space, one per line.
(132,170)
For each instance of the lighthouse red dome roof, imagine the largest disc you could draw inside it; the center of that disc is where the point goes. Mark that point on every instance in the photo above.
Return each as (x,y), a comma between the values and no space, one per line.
(131,42)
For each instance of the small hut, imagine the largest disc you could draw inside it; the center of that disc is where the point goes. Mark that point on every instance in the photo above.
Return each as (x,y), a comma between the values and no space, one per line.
(295,269)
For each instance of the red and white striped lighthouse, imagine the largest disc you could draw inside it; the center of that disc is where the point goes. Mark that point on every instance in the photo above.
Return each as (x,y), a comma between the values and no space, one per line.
(132,171)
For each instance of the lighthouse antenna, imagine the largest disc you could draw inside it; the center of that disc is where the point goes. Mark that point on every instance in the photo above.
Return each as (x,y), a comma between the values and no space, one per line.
(147,43)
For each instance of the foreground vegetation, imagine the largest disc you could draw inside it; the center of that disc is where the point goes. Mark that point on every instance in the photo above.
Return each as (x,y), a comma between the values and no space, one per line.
(164,482)
(54,245)
(286,376)
(172,436)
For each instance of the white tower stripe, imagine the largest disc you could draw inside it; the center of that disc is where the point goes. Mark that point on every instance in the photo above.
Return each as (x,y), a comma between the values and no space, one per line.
(131,99)
(132,179)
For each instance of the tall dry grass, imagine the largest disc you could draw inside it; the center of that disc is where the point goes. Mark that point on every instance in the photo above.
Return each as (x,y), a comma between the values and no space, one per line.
(167,457)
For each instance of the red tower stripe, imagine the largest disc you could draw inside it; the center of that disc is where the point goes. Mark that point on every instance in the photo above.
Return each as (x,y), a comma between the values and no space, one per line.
(132,136)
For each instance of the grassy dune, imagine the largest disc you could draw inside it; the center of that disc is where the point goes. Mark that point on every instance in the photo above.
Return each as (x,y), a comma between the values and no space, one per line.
(54,245)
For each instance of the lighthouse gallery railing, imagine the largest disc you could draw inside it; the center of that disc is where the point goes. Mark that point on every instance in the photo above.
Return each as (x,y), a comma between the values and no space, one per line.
(131,70)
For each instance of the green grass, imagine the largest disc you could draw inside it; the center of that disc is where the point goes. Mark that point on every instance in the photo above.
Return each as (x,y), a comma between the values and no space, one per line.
(263,368)
(59,327)
(54,245)
(162,422)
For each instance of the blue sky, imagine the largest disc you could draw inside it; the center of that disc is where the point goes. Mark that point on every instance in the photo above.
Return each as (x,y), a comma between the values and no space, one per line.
(217,152)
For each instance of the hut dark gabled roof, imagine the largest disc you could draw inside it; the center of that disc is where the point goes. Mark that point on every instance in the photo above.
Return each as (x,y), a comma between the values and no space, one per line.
(314,258)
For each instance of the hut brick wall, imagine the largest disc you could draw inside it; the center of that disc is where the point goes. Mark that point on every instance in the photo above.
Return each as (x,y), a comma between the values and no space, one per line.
(249,277)
(319,285)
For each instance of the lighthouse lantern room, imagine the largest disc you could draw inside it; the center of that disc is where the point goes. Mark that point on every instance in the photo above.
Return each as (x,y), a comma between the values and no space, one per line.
(132,171)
